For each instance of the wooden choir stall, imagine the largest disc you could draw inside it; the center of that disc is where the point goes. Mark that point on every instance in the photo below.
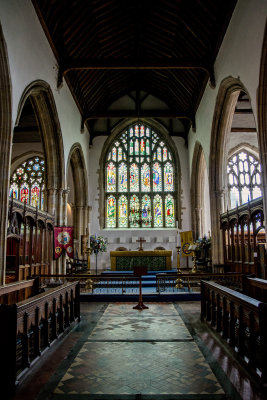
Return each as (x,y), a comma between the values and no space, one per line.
(244,239)
(29,242)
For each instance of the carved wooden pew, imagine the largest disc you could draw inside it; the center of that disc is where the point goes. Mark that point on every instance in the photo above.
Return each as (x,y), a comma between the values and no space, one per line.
(241,321)
(18,291)
(31,326)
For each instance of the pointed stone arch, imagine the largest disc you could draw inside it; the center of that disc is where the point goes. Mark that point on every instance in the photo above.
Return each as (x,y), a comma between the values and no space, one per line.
(41,97)
(79,207)
(42,100)
(262,118)
(6,145)
(228,93)
(198,187)
(169,141)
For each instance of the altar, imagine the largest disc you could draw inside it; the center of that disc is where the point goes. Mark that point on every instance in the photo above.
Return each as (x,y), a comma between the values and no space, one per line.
(155,260)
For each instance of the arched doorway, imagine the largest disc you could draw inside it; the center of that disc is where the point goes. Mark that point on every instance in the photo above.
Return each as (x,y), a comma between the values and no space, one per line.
(77,201)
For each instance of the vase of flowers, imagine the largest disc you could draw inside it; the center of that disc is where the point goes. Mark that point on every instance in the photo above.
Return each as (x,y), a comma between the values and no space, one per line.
(203,248)
(98,244)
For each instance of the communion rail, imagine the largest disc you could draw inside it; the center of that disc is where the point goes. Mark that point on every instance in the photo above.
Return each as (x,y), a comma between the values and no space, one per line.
(241,321)
(29,327)
(191,281)
(96,284)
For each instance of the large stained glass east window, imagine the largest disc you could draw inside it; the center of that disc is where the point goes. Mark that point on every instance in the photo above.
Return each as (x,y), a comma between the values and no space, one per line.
(140,187)
(244,178)
(27,182)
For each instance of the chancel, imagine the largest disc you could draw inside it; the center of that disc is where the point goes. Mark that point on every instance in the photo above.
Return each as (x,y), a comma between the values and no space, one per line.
(138,126)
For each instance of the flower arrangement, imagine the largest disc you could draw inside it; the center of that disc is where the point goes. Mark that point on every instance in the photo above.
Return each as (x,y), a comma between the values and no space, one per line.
(203,248)
(203,243)
(98,244)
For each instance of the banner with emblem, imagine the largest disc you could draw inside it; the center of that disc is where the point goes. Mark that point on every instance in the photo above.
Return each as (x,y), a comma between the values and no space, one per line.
(186,240)
(63,239)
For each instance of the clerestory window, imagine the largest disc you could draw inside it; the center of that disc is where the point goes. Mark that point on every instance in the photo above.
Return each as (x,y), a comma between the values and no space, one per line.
(27,182)
(139,181)
(244,178)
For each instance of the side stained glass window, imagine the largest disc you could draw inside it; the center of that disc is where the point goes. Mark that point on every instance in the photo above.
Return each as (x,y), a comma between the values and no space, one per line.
(140,185)
(27,182)
(244,178)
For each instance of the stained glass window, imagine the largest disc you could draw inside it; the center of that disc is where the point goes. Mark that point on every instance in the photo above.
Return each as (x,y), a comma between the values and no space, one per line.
(123,212)
(111,177)
(244,178)
(27,182)
(134,178)
(146,211)
(169,211)
(140,180)
(111,212)
(134,211)
(122,177)
(157,184)
(168,177)
(145,178)
(158,217)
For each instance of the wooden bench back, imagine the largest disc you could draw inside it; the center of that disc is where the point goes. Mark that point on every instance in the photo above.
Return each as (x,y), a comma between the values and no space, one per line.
(17,291)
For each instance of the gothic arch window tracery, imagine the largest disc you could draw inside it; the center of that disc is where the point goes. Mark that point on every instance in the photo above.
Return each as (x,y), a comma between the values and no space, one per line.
(139,180)
(27,182)
(244,178)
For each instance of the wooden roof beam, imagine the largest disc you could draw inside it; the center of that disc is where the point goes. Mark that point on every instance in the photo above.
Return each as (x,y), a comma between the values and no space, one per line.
(142,114)
(159,64)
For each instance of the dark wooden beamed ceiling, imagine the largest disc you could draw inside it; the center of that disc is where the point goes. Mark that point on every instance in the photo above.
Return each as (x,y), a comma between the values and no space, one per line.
(109,49)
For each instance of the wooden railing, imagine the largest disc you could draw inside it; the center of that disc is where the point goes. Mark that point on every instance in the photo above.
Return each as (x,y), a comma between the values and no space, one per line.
(18,291)
(30,326)
(256,288)
(191,282)
(241,321)
(97,284)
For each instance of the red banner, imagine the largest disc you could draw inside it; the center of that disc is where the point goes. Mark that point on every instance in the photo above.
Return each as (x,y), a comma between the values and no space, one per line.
(63,237)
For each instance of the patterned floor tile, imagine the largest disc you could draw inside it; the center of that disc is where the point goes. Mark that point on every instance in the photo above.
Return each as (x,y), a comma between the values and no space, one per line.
(132,328)
(194,377)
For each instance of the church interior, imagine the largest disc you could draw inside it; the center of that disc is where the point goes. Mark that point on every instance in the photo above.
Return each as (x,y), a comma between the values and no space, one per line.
(134,170)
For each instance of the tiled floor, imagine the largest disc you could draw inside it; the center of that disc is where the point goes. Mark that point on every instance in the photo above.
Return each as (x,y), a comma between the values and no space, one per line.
(116,352)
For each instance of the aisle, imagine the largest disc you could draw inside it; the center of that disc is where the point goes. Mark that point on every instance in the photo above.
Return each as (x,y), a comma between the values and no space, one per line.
(131,352)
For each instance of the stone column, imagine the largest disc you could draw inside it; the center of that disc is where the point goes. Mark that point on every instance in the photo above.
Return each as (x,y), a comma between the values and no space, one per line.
(61,261)
(79,225)
(51,200)
(216,233)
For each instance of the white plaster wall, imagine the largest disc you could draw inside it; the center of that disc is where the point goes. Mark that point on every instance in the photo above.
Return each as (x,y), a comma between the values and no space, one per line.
(127,237)
(31,58)
(239,57)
